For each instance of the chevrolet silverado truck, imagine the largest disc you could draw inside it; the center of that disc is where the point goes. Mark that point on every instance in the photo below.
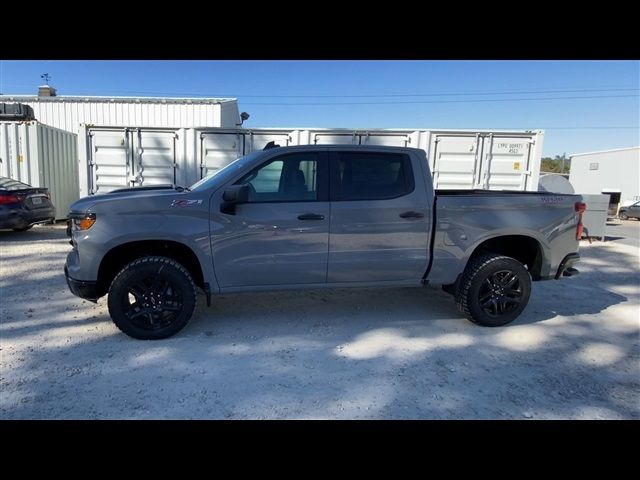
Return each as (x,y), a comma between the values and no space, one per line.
(315,217)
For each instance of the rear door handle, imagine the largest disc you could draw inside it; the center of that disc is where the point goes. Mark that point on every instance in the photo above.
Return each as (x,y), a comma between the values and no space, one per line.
(310,216)
(411,215)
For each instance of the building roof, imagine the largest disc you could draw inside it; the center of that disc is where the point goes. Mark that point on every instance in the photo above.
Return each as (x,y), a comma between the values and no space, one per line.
(105,99)
(604,151)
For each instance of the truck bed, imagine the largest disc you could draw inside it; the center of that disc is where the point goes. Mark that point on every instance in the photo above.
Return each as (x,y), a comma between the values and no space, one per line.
(466,218)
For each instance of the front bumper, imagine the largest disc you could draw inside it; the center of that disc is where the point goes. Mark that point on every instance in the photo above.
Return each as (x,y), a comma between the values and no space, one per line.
(566,266)
(81,288)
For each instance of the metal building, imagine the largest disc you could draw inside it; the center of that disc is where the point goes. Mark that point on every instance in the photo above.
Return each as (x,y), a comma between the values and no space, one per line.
(69,112)
(41,156)
(112,157)
(608,171)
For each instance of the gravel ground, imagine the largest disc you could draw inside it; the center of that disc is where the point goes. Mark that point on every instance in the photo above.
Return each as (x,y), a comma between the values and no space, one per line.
(383,354)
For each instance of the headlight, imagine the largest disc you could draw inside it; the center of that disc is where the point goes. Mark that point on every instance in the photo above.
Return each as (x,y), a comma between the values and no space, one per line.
(82,221)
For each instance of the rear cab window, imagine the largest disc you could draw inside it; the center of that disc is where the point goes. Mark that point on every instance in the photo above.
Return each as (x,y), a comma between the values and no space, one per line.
(371,176)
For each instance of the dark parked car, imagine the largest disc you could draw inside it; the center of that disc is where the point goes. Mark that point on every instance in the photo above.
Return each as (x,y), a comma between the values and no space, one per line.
(22,206)
(630,211)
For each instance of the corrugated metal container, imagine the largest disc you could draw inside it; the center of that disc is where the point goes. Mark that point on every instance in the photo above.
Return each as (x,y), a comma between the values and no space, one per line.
(461,159)
(610,170)
(69,112)
(41,156)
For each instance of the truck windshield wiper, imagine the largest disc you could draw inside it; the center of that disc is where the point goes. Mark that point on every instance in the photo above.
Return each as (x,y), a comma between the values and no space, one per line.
(182,189)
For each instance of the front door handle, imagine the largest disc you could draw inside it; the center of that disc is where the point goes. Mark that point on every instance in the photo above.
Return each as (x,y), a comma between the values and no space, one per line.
(411,215)
(310,216)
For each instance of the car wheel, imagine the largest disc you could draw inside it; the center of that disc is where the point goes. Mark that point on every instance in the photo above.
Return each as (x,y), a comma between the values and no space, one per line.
(623,216)
(152,298)
(494,290)
(23,229)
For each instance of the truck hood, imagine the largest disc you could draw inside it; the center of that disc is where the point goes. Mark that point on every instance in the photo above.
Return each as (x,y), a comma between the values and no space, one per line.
(134,197)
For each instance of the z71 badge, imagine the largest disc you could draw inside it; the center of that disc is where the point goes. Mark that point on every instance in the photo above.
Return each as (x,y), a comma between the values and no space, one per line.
(182,202)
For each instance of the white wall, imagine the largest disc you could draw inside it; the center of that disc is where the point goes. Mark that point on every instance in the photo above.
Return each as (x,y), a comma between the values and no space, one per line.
(68,113)
(612,169)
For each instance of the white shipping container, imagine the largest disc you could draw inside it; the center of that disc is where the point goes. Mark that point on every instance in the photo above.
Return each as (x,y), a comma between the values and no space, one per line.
(70,112)
(41,156)
(459,159)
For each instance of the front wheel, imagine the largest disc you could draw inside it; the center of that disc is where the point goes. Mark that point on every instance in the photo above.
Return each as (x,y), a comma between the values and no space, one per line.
(152,298)
(494,290)
(623,216)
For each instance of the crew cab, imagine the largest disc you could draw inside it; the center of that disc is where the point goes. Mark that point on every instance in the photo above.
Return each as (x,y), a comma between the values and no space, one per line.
(330,216)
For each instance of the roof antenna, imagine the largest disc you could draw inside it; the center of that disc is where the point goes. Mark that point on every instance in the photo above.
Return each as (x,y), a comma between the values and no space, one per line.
(46,77)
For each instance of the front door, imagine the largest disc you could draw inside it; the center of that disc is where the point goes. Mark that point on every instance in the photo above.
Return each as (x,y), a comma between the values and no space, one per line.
(281,236)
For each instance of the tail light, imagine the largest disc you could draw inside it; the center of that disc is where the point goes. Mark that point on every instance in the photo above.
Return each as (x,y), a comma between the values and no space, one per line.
(580,208)
(8,199)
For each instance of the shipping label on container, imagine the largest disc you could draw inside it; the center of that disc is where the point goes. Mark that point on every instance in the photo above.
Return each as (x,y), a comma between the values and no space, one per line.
(510,148)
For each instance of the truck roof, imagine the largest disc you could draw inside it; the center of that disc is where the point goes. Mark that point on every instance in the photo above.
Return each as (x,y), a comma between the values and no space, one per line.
(377,148)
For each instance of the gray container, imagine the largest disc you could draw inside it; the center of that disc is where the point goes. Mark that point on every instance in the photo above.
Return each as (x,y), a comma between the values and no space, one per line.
(41,156)
(594,218)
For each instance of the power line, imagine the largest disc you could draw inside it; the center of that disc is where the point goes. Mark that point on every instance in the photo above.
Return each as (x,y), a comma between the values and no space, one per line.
(431,94)
(440,101)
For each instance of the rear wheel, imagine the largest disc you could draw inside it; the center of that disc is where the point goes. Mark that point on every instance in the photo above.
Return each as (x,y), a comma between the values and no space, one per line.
(152,298)
(623,216)
(494,290)
(23,229)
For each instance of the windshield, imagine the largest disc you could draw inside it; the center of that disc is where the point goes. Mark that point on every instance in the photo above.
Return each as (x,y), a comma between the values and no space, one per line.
(225,173)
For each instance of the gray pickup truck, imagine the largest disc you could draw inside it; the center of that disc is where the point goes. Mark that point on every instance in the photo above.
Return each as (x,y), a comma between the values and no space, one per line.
(313,217)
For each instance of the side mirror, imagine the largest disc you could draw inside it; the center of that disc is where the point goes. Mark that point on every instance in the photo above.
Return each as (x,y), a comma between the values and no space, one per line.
(232,196)
(236,194)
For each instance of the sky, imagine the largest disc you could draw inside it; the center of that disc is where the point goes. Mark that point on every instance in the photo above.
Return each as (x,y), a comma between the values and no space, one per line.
(583,106)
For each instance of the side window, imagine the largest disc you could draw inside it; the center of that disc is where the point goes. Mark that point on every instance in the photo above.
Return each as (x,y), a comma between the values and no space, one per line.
(290,178)
(373,176)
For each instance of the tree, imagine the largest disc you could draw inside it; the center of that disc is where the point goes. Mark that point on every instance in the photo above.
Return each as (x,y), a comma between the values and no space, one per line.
(558,164)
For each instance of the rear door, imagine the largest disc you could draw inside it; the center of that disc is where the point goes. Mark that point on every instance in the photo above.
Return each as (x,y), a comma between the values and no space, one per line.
(505,164)
(380,217)
(219,149)
(455,160)
(155,158)
(110,162)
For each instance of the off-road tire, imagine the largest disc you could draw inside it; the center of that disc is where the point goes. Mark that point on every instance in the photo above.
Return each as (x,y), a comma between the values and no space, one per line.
(175,292)
(482,277)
